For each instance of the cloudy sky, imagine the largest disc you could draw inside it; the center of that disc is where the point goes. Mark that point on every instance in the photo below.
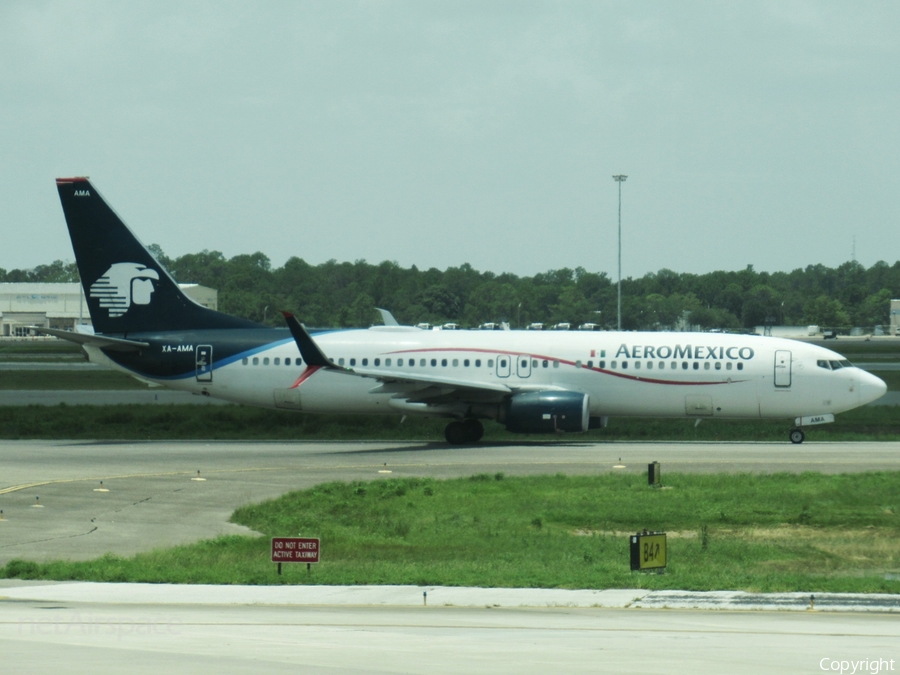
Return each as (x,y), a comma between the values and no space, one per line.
(440,133)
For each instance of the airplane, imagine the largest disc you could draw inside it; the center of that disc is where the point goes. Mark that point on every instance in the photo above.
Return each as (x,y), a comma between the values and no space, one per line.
(531,382)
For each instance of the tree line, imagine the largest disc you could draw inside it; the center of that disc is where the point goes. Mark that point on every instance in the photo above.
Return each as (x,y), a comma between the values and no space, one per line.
(343,294)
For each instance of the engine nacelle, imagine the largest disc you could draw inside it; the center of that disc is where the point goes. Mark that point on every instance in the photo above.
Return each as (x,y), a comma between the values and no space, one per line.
(545,412)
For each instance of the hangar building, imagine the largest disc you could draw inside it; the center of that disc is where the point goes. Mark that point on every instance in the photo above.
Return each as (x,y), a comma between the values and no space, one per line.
(62,305)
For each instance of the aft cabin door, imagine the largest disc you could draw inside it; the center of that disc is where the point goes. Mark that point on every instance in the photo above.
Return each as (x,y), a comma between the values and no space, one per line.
(204,363)
(782,368)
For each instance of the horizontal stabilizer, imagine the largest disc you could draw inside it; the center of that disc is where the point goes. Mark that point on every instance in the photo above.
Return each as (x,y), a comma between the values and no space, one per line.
(110,343)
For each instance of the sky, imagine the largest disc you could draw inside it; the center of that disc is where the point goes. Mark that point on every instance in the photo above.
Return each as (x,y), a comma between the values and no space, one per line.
(441,133)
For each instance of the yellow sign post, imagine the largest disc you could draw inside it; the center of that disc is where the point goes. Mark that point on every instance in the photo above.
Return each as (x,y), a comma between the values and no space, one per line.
(648,551)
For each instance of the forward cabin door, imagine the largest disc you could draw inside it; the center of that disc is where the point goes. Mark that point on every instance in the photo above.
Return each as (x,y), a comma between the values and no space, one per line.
(782,368)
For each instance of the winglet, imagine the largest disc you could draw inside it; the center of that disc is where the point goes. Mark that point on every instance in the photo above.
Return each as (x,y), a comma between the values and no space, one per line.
(309,350)
(387,318)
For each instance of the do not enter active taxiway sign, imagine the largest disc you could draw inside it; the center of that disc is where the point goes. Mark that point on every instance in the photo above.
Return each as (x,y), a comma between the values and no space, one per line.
(295,549)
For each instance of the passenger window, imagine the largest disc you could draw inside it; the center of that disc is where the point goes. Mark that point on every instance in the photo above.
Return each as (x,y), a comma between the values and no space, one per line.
(674,365)
(266,361)
(534,363)
(624,365)
(352,362)
(341,361)
(422,362)
(387,362)
(662,365)
(255,360)
(433,363)
(490,363)
(545,363)
(649,365)
(590,364)
(740,366)
(455,363)
(637,365)
(444,363)
(287,361)
(376,362)
(602,364)
(466,363)
(399,362)
(555,364)
(718,365)
(277,361)
(478,363)
(696,366)
(245,361)
(578,364)
(684,365)
(365,362)
(706,366)
(728,366)
(614,365)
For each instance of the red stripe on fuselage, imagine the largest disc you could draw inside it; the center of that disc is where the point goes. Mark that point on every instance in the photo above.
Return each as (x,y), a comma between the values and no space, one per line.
(636,378)
(308,373)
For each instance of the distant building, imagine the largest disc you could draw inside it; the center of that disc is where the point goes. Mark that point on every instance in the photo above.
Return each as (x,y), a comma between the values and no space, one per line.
(895,317)
(63,306)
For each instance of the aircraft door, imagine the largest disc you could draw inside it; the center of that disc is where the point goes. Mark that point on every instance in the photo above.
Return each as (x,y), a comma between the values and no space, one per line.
(504,366)
(204,363)
(523,365)
(782,368)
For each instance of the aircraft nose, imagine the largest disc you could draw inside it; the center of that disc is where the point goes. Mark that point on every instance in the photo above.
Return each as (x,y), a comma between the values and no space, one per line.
(871,388)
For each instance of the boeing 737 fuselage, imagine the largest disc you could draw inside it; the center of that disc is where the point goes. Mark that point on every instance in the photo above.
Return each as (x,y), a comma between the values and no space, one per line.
(531,382)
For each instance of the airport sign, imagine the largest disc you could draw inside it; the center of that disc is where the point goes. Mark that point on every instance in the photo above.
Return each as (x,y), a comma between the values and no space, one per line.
(648,551)
(295,550)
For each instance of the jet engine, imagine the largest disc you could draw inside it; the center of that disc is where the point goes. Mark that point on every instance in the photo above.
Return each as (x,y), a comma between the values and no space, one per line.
(543,412)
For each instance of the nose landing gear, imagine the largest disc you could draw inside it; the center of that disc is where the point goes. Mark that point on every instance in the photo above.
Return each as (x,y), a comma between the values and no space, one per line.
(797,436)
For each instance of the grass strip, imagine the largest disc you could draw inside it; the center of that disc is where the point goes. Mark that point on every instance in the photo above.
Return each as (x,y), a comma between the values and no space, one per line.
(188,422)
(764,533)
(78,380)
(191,422)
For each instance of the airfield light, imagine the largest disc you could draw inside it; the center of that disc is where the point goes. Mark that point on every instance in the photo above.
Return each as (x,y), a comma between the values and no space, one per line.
(620,179)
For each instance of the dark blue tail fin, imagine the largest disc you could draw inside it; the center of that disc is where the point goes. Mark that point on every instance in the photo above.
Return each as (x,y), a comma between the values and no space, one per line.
(127,290)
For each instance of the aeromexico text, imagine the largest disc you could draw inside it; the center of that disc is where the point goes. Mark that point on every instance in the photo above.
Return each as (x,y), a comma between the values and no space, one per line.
(699,352)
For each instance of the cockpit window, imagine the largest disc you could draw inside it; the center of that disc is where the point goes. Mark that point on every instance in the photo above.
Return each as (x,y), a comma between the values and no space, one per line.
(835,365)
(822,363)
(846,364)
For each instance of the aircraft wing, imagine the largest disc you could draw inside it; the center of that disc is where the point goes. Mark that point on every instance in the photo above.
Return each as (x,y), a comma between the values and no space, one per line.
(391,380)
(111,343)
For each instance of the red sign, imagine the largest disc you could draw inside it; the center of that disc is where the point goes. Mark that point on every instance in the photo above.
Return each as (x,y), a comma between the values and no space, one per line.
(295,549)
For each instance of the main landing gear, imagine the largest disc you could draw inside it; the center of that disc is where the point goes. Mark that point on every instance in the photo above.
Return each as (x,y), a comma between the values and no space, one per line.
(460,432)
(797,436)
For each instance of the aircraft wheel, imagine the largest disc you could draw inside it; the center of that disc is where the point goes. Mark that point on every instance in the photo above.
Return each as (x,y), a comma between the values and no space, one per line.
(456,433)
(797,435)
(474,428)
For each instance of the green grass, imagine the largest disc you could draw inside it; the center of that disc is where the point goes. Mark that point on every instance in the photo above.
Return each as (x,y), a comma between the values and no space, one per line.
(171,422)
(88,379)
(781,532)
(38,347)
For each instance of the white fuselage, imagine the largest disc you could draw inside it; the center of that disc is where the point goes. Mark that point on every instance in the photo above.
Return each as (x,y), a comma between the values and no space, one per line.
(623,373)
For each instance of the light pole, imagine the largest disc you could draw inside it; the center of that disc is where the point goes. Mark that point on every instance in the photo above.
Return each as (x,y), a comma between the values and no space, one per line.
(620,179)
